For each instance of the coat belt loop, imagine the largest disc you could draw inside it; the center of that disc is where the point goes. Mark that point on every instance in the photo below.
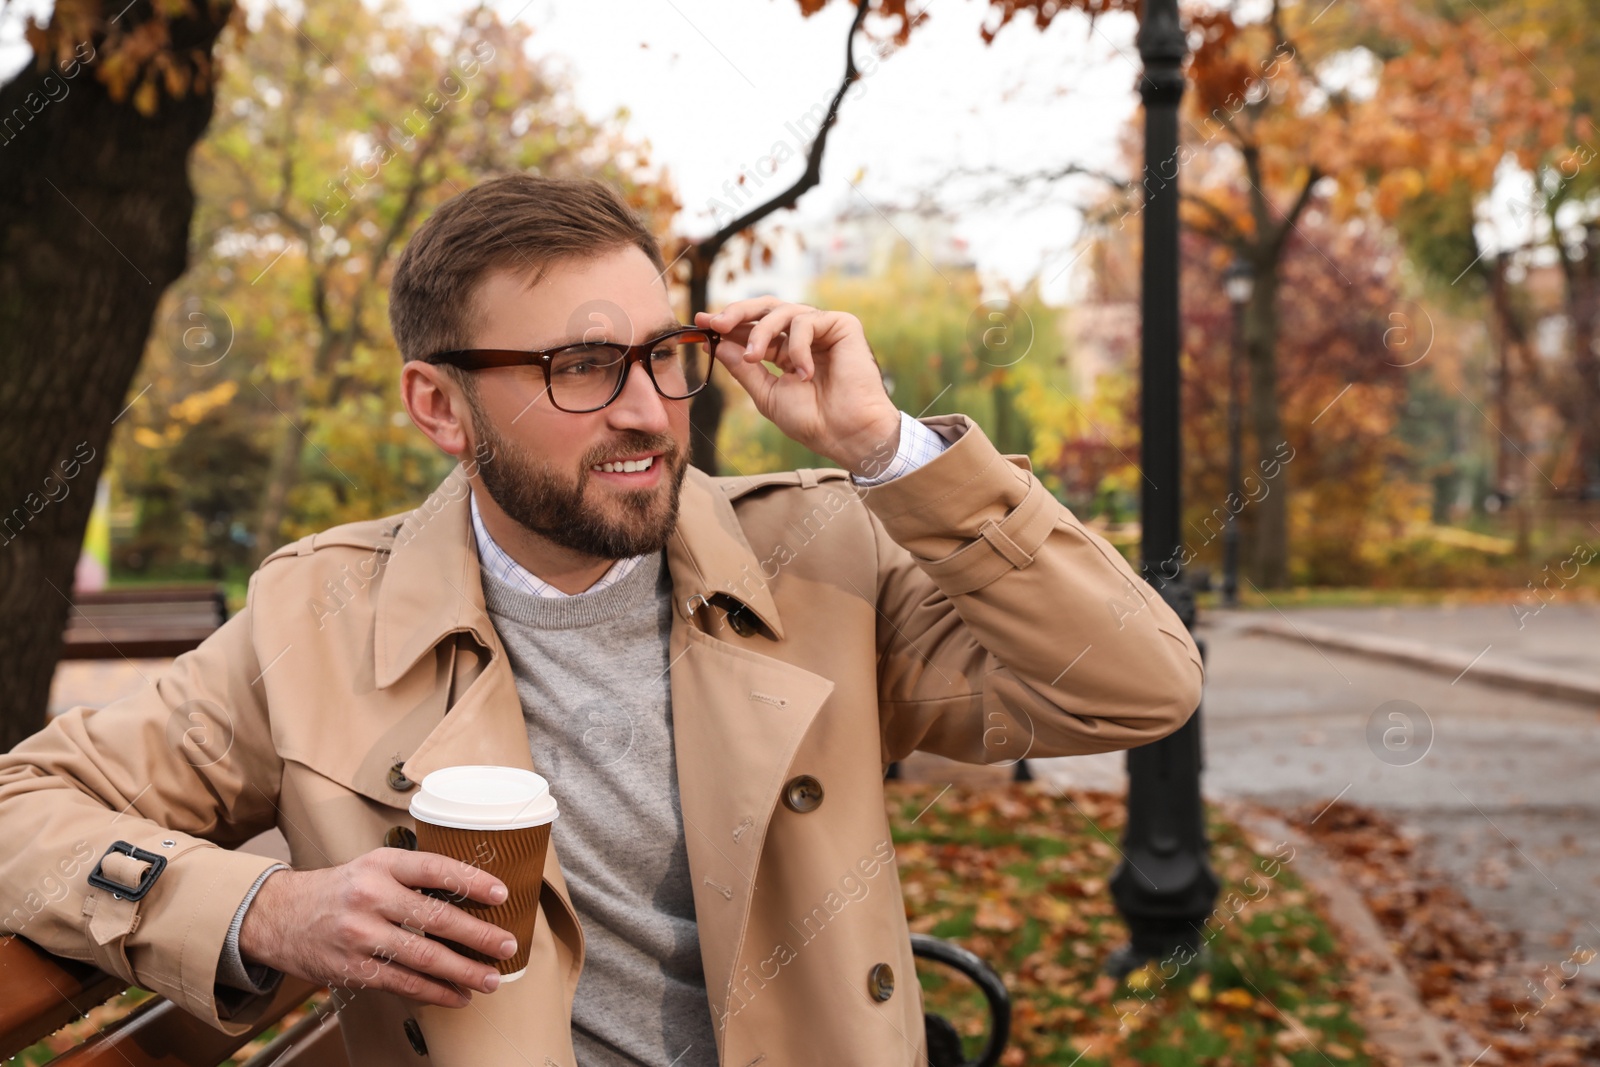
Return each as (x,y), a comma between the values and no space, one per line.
(1004,545)
(110,923)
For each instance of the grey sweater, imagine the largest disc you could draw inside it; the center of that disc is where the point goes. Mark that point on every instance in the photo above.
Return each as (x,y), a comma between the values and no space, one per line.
(592,676)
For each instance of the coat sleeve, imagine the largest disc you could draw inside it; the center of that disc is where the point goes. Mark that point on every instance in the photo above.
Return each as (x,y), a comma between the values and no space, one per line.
(185,769)
(1006,629)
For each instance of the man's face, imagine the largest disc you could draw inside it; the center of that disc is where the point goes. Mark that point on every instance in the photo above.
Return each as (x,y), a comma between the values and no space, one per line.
(543,471)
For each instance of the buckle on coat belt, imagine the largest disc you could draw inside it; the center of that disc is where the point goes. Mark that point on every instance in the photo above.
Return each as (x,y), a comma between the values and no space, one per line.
(98,879)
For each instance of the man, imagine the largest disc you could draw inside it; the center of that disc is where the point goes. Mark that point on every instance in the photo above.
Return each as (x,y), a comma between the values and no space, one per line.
(713,673)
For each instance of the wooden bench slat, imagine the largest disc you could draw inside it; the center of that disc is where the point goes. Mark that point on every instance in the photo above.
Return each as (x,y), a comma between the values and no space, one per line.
(143,648)
(130,614)
(134,629)
(149,595)
(314,1041)
(41,993)
(161,1034)
(157,622)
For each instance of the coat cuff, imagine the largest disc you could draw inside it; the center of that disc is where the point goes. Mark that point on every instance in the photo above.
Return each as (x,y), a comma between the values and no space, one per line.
(970,514)
(176,946)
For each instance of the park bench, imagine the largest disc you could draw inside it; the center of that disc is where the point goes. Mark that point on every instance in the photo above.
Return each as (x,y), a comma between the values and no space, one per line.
(40,993)
(158,622)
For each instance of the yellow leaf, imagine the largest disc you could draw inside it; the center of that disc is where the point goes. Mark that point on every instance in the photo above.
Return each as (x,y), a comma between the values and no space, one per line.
(145,99)
(1235,998)
(1200,988)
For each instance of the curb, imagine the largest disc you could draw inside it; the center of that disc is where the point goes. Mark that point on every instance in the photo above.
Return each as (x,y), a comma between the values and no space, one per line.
(1526,677)
(1387,1002)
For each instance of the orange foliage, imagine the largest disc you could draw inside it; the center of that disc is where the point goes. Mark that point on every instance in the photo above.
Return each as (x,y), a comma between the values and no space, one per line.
(137,60)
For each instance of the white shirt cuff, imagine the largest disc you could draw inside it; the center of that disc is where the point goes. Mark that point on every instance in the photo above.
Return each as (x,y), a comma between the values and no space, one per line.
(918,445)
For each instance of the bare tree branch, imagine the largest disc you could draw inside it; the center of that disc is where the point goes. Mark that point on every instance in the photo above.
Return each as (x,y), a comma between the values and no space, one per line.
(710,246)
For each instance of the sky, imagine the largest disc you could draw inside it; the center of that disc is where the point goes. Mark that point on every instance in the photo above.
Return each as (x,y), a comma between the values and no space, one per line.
(719,83)
(715,85)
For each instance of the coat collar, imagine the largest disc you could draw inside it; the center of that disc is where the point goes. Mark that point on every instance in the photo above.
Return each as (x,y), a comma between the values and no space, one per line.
(433,585)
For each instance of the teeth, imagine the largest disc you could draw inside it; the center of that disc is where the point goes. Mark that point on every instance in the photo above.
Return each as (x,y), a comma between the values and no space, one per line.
(625,466)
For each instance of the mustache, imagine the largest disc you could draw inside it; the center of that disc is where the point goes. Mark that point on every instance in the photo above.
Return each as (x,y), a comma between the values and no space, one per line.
(629,446)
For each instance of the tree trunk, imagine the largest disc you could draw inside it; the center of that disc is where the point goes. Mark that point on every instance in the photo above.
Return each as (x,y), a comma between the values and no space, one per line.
(94,216)
(1583,305)
(705,410)
(282,475)
(1271,556)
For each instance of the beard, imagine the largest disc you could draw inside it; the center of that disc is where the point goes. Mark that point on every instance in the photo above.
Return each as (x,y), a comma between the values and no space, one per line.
(542,501)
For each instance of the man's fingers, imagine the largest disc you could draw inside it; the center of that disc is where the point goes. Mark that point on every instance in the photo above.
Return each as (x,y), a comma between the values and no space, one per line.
(428,870)
(421,913)
(743,310)
(764,317)
(798,347)
(754,378)
(391,976)
(765,332)
(434,960)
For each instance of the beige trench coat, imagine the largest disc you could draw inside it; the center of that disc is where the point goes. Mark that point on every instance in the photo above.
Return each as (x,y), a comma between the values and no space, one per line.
(958,609)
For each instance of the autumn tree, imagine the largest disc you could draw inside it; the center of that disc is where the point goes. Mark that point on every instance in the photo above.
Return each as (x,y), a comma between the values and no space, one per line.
(1485,212)
(337,134)
(1308,107)
(1324,111)
(95,207)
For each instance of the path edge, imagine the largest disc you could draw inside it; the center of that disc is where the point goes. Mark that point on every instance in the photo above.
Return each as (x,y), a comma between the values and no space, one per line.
(1389,1008)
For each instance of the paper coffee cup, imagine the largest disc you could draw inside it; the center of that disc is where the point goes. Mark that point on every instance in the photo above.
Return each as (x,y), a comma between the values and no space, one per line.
(498,820)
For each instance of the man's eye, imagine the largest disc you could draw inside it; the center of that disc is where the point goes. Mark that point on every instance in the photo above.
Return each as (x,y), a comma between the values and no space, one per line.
(583,364)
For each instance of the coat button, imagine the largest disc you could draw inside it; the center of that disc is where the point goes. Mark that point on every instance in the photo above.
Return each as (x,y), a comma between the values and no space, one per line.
(742,623)
(880,982)
(400,837)
(398,780)
(802,793)
(414,1035)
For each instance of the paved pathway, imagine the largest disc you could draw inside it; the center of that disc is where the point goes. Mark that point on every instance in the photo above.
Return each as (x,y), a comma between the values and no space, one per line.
(1564,636)
(1502,787)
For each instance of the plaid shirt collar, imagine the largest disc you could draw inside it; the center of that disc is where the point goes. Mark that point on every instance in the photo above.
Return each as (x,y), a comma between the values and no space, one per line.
(495,560)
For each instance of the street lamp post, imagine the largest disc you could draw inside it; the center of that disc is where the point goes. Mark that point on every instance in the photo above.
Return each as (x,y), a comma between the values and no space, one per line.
(1240,282)
(1164,887)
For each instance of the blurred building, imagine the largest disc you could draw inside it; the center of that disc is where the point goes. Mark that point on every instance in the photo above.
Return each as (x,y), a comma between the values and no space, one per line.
(859,240)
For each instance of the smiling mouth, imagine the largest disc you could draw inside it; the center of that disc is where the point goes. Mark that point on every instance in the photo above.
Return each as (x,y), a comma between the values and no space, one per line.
(627,466)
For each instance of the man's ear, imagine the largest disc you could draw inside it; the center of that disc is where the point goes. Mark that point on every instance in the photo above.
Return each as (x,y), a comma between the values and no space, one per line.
(438,407)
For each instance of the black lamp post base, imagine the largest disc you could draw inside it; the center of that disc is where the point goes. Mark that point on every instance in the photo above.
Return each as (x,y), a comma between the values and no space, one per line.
(1183,958)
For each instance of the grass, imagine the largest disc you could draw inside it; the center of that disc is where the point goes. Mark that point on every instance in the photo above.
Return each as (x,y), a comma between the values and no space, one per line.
(1019,876)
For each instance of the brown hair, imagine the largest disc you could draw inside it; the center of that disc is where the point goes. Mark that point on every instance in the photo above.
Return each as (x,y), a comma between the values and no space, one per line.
(522,222)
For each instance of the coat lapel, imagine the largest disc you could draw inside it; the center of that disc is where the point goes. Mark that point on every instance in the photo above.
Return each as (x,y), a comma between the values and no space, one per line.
(738,715)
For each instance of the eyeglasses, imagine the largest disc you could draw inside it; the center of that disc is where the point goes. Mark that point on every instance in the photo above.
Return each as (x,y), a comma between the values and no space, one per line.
(588,375)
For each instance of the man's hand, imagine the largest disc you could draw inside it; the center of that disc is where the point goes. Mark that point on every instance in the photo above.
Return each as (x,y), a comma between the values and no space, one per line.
(830,396)
(360,925)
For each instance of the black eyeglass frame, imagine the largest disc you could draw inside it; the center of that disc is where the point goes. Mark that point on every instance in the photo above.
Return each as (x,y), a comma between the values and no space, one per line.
(475,359)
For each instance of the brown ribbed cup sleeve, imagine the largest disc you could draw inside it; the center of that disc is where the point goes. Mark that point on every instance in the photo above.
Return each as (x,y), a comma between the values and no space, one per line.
(516,857)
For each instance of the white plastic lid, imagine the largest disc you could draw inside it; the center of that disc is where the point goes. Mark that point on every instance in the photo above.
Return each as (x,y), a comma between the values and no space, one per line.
(484,798)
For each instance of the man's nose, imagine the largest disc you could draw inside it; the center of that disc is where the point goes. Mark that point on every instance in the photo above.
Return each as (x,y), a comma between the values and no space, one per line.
(638,406)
